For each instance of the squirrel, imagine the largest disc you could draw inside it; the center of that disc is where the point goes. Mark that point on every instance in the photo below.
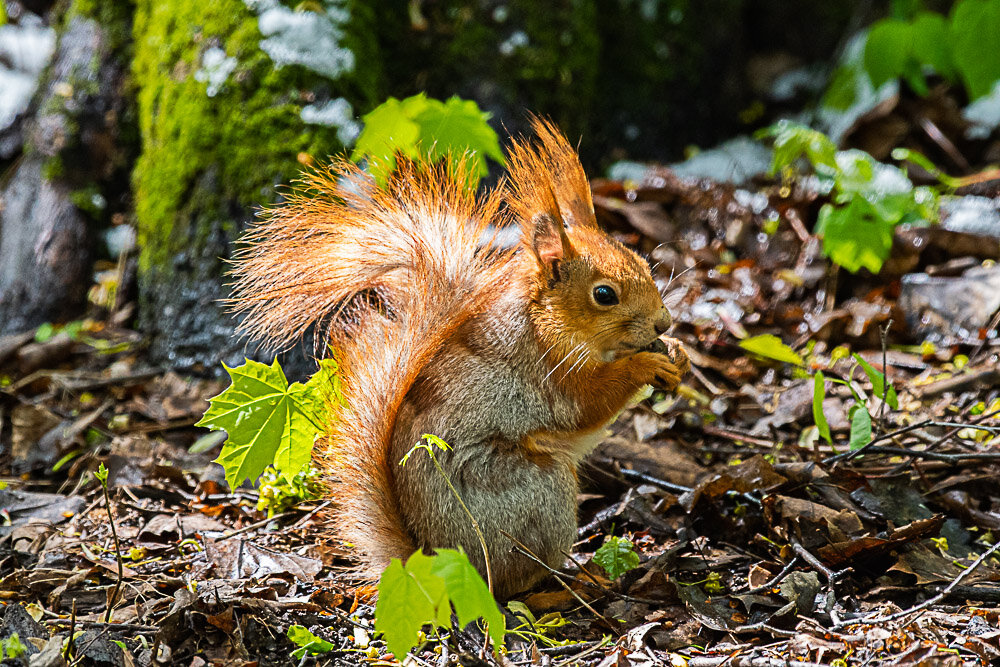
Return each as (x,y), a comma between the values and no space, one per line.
(517,357)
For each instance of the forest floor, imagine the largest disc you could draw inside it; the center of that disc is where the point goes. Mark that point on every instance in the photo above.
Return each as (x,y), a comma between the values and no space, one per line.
(761,541)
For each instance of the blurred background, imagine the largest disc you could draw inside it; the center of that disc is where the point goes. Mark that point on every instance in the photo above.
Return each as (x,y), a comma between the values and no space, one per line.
(138,138)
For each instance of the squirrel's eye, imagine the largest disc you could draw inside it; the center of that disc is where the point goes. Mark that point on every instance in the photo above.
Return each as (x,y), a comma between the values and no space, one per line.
(605,295)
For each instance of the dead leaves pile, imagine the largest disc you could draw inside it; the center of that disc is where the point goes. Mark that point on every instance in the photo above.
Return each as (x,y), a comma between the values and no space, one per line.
(760,543)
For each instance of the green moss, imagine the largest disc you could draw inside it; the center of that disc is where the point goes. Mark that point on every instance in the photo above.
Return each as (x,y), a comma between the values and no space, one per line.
(53,169)
(204,158)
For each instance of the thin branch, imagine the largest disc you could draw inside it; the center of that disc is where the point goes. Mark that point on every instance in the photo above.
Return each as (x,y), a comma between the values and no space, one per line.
(776,579)
(974,424)
(871,620)
(937,456)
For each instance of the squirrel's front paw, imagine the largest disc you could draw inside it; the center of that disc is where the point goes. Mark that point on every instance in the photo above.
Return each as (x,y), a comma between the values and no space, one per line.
(666,363)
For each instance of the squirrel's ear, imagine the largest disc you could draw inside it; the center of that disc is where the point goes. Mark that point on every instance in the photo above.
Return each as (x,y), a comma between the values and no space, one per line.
(550,243)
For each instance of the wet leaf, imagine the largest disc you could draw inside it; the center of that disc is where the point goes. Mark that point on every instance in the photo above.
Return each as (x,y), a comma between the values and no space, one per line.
(861,428)
(878,383)
(819,394)
(771,347)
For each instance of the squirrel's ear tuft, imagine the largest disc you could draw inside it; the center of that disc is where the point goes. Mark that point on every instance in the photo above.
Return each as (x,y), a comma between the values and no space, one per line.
(550,244)
(545,178)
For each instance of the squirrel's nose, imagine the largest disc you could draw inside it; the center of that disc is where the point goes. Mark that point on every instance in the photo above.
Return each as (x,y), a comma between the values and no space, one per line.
(662,322)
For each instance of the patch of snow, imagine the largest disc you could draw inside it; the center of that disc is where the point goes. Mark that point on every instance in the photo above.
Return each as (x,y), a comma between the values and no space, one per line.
(215,69)
(306,38)
(791,83)
(334,113)
(971,214)
(627,170)
(25,51)
(885,178)
(736,161)
(983,114)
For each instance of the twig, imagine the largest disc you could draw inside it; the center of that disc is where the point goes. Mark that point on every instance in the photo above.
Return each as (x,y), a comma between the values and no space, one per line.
(761,627)
(102,477)
(254,526)
(937,456)
(776,579)
(72,631)
(637,476)
(870,620)
(313,512)
(129,627)
(916,427)
(994,323)
(576,658)
(749,661)
(884,335)
(558,577)
(830,576)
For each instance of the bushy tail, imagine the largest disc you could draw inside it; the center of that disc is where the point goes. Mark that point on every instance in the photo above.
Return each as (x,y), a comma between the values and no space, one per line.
(386,275)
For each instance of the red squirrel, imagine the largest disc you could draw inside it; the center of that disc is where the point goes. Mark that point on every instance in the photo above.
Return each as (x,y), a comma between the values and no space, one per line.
(519,357)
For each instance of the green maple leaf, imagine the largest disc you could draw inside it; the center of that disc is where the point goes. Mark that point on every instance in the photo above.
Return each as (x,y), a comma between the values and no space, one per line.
(422,593)
(458,126)
(268,421)
(469,593)
(408,598)
(422,125)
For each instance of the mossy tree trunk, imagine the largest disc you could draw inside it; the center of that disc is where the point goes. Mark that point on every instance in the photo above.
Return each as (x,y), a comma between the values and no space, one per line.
(233,97)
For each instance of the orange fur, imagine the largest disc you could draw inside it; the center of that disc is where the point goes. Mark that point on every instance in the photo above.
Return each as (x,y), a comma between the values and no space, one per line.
(416,243)
(432,323)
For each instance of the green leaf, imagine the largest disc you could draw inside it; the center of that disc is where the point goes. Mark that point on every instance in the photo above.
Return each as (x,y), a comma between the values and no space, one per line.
(469,593)
(403,608)
(861,428)
(888,48)
(841,92)
(44,332)
(458,126)
(422,125)
(421,568)
(423,593)
(792,141)
(932,43)
(771,347)
(819,394)
(390,128)
(854,236)
(268,422)
(616,556)
(878,383)
(975,34)
(307,642)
